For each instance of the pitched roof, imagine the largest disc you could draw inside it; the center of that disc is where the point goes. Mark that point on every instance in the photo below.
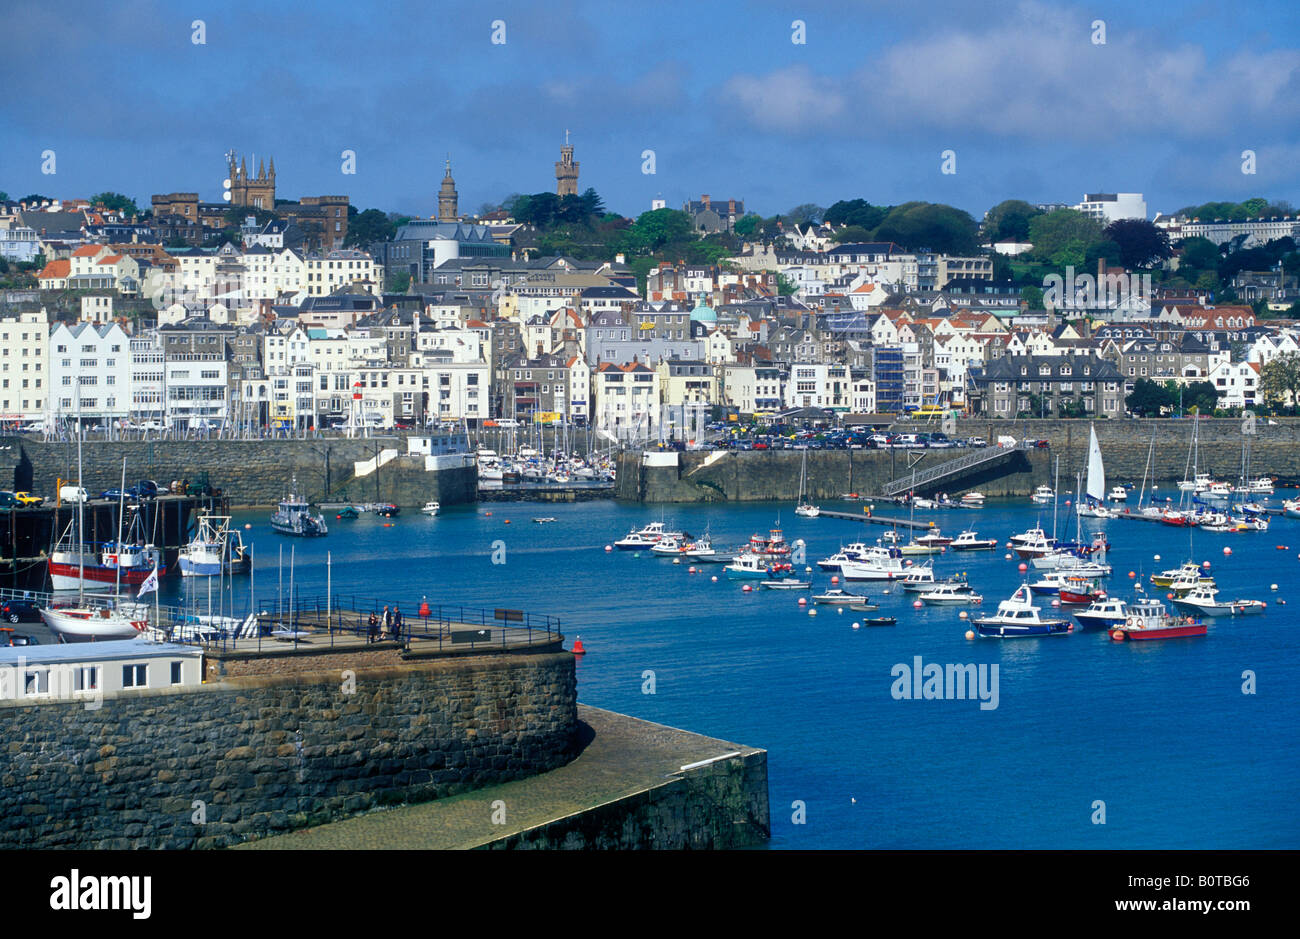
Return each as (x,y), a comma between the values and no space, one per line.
(56,269)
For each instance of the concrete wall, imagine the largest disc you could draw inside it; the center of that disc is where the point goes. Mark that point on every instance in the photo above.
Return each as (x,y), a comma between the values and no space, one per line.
(272,752)
(251,472)
(720,806)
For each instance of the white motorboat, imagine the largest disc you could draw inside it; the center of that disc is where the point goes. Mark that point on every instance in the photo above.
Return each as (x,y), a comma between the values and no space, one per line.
(973,499)
(918,578)
(1017,617)
(876,563)
(951,594)
(643,537)
(432,508)
(748,565)
(1118,494)
(786,583)
(970,540)
(670,546)
(1043,495)
(1203,599)
(836,596)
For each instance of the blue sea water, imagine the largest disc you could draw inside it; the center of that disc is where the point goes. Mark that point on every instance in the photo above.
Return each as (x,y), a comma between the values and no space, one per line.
(1161,733)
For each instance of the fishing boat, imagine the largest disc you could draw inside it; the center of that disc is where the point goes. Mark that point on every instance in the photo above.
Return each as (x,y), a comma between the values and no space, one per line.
(773,545)
(129,559)
(214,550)
(1078,591)
(433,508)
(1105,613)
(1203,599)
(1117,494)
(786,583)
(748,565)
(837,597)
(1043,495)
(951,594)
(293,517)
(1017,617)
(1148,619)
(805,508)
(970,540)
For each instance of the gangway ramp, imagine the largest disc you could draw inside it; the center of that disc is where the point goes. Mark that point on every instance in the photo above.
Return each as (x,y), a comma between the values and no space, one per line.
(934,477)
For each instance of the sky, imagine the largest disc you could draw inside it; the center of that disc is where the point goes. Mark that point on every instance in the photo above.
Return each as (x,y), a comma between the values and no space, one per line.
(1020,99)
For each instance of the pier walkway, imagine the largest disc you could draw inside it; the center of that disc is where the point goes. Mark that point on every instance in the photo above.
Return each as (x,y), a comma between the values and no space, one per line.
(937,476)
(625,763)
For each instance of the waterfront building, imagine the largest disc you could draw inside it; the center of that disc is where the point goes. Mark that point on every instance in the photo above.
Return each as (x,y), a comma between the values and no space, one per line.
(753,389)
(96,360)
(40,674)
(24,373)
(1047,386)
(625,400)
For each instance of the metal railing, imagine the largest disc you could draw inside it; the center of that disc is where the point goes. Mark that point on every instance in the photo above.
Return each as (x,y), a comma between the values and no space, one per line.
(979,457)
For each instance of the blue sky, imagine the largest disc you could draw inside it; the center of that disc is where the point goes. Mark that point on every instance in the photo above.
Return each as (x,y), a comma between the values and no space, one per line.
(1032,107)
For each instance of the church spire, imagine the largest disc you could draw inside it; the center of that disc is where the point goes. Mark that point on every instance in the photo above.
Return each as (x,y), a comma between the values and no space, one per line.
(448,199)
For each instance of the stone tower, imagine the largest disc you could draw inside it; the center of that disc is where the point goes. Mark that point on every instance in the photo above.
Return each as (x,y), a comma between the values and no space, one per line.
(566,171)
(447,198)
(257,192)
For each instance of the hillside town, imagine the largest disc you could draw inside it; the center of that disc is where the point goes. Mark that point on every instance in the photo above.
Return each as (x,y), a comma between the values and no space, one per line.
(259,314)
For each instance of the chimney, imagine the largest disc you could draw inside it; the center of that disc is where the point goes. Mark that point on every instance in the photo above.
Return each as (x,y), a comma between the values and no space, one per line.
(731,206)
(707,202)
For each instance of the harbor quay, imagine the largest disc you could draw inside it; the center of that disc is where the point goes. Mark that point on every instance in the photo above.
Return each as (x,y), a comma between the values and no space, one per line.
(313,716)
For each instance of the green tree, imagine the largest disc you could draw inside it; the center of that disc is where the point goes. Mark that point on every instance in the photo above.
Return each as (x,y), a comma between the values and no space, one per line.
(747,225)
(35,197)
(1279,380)
(1033,296)
(803,215)
(1200,397)
(1141,243)
(4,196)
(368,227)
(659,227)
(1148,399)
(937,227)
(116,202)
(784,286)
(1009,221)
(857,212)
(1063,237)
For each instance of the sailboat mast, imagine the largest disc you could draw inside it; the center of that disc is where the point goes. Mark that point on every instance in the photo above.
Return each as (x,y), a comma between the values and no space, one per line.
(81,512)
(121,512)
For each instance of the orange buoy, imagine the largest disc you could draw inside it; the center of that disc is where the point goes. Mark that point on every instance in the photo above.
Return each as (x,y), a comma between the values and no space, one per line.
(424,609)
(577,647)
(507,521)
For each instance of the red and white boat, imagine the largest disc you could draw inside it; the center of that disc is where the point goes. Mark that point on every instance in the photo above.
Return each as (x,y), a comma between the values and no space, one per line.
(102,567)
(773,545)
(1081,591)
(1147,619)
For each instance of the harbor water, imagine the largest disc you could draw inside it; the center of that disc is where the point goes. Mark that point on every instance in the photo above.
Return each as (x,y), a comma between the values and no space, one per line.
(1092,744)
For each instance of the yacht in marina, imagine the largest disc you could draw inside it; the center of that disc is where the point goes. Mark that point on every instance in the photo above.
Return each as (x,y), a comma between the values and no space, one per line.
(1105,613)
(876,563)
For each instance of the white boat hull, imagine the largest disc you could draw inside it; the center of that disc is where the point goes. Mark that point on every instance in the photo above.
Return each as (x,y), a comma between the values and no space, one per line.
(89,625)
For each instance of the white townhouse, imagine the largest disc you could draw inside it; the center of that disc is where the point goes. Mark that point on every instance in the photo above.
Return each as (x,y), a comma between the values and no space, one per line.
(24,372)
(341,268)
(269,272)
(1237,383)
(815,385)
(148,378)
(753,389)
(196,389)
(452,389)
(96,360)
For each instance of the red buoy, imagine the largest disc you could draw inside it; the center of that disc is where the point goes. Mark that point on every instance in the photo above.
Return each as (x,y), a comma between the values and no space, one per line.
(577,647)
(424,609)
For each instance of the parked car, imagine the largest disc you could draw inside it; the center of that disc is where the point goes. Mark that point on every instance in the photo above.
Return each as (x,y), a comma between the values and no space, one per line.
(20,611)
(976,442)
(151,425)
(116,495)
(144,489)
(17,639)
(73,494)
(26,498)
(9,501)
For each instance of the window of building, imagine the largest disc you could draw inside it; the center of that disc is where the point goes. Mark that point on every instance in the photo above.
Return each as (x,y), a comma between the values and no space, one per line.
(135,676)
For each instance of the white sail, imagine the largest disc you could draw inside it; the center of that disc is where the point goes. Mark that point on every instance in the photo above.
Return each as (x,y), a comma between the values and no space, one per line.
(1096,471)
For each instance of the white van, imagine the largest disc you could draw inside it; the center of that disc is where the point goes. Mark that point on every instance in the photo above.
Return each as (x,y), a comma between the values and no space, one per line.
(73,494)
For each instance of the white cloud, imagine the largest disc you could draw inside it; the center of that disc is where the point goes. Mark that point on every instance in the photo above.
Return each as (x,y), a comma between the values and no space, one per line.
(791,99)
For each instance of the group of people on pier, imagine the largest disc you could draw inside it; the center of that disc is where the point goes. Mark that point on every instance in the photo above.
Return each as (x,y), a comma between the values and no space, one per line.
(387,625)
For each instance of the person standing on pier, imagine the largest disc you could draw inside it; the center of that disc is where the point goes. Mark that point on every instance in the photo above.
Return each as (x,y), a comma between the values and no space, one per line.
(397,623)
(385,622)
(372,631)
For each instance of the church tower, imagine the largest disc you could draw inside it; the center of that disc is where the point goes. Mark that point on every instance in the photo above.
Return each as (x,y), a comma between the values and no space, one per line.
(257,192)
(447,198)
(566,171)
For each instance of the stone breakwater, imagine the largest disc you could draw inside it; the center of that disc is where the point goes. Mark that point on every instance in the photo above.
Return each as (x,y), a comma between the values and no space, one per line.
(249,472)
(273,751)
(773,475)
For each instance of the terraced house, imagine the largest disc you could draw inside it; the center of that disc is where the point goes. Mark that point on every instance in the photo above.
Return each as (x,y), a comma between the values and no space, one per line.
(1047,386)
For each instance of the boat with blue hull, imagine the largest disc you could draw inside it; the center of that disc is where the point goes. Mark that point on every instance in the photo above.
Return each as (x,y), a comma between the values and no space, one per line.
(1017,618)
